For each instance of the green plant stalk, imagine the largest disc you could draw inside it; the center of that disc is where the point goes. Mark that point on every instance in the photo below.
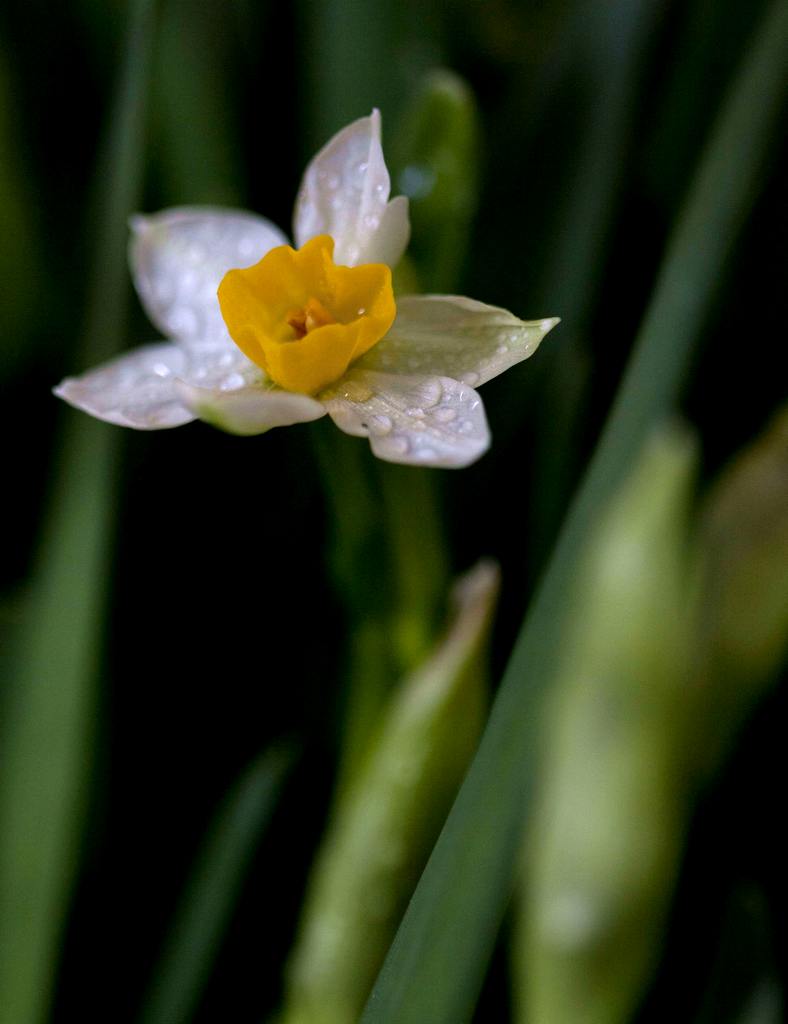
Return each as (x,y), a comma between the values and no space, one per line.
(437,962)
(387,521)
(51,699)
(212,890)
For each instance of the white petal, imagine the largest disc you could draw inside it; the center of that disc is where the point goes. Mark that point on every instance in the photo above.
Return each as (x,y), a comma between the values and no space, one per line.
(179,256)
(345,194)
(140,388)
(456,337)
(249,410)
(425,421)
(136,390)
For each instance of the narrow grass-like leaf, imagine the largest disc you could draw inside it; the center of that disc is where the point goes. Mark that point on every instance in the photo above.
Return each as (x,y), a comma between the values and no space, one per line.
(212,890)
(437,962)
(50,703)
(610,40)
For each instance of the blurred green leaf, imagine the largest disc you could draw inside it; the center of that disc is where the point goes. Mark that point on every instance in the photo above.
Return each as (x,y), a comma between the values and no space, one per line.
(387,816)
(50,702)
(195,113)
(744,552)
(355,56)
(435,162)
(606,835)
(437,962)
(610,41)
(20,268)
(212,890)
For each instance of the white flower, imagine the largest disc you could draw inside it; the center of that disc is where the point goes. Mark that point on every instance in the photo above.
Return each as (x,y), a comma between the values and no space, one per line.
(310,335)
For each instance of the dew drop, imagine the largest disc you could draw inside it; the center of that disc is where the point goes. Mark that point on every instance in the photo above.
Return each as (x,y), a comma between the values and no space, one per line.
(361,311)
(398,445)
(232,382)
(355,391)
(246,246)
(183,321)
(432,393)
(380,425)
(362,167)
(470,379)
(161,369)
(445,414)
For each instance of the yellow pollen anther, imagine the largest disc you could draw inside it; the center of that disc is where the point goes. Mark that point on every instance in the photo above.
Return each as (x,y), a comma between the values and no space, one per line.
(304,319)
(314,314)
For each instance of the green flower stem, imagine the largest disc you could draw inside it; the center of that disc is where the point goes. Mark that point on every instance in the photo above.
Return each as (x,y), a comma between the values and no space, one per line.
(50,705)
(415,530)
(387,524)
(439,957)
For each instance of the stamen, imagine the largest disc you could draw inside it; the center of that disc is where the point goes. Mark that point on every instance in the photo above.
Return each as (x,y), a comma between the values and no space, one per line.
(313,315)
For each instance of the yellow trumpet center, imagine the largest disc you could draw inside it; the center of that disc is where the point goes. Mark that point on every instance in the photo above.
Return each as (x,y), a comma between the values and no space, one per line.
(304,319)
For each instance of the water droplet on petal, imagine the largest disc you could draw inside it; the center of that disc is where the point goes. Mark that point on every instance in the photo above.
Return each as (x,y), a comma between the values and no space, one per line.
(470,379)
(380,425)
(445,414)
(355,391)
(246,247)
(432,393)
(398,445)
(232,382)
